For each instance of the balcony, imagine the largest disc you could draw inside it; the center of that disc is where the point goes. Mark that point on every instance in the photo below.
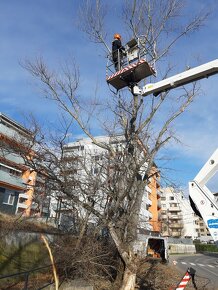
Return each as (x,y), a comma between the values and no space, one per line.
(162,215)
(24,195)
(175,216)
(175,234)
(176,225)
(12,157)
(159,193)
(150,215)
(22,205)
(148,189)
(175,208)
(147,201)
(11,180)
(159,204)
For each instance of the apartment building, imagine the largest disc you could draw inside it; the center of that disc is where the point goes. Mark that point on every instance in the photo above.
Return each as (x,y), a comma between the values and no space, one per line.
(149,218)
(177,211)
(203,233)
(155,198)
(172,222)
(17,181)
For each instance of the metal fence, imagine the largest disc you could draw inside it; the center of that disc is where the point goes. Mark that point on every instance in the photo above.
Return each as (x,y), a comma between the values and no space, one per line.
(183,241)
(25,275)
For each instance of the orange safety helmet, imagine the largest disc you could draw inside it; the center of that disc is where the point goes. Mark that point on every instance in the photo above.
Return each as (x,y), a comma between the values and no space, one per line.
(117,36)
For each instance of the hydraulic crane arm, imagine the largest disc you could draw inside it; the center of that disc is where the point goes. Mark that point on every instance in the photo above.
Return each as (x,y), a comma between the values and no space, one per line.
(202,199)
(188,76)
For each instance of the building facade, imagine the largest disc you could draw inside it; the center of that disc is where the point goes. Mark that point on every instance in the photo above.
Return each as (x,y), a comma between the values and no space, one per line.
(178,217)
(172,221)
(149,218)
(17,181)
(155,198)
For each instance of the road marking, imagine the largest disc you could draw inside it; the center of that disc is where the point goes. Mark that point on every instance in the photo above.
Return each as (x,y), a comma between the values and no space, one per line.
(210,271)
(193,264)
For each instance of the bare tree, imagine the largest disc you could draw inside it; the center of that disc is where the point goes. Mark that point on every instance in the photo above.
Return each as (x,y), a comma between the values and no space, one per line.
(113,197)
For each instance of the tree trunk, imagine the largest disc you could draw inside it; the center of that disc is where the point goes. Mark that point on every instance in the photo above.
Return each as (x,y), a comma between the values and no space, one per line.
(129,280)
(82,232)
(129,276)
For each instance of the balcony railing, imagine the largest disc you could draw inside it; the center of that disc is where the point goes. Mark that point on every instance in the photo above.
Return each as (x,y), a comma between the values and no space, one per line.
(22,205)
(24,195)
(150,215)
(147,201)
(175,234)
(12,180)
(163,215)
(175,216)
(175,208)
(159,193)
(176,225)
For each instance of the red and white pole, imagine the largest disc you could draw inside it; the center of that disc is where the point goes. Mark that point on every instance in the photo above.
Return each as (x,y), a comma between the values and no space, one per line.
(190,274)
(183,283)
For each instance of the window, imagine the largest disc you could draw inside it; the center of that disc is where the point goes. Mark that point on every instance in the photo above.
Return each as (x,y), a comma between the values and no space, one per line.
(163,198)
(22,200)
(95,170)
(163,205)
(9,197)
(2,189)
(96,158)
(171,197)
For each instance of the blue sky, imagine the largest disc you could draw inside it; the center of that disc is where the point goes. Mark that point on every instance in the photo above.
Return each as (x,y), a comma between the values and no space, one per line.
(48,27)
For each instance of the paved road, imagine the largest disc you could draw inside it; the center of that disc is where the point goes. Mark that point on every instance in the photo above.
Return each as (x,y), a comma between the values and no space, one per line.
(206,266)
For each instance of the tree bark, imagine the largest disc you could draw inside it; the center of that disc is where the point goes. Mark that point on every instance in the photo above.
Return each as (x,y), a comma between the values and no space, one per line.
(129,276)
(129,280)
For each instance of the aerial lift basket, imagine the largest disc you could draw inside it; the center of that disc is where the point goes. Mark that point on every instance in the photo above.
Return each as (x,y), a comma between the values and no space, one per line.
(131,74)
(132,68)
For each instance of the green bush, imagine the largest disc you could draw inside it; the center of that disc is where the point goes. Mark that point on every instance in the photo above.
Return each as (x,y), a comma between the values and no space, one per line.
(206,248)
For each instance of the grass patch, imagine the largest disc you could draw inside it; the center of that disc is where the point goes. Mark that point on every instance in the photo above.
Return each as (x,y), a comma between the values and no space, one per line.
(21,258)
(20,223)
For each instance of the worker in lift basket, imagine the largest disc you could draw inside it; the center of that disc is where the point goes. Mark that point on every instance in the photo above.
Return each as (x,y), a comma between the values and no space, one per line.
(118,51)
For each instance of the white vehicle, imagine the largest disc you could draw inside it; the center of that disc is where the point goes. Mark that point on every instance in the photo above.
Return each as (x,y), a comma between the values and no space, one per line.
(152,247)
(203,201)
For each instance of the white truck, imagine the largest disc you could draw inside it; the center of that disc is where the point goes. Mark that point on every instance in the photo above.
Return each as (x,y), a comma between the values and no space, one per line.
(152,246)
(203,201)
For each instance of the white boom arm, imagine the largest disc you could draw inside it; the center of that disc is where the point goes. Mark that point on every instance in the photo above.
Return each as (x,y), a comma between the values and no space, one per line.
(204,200)
(191,75)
